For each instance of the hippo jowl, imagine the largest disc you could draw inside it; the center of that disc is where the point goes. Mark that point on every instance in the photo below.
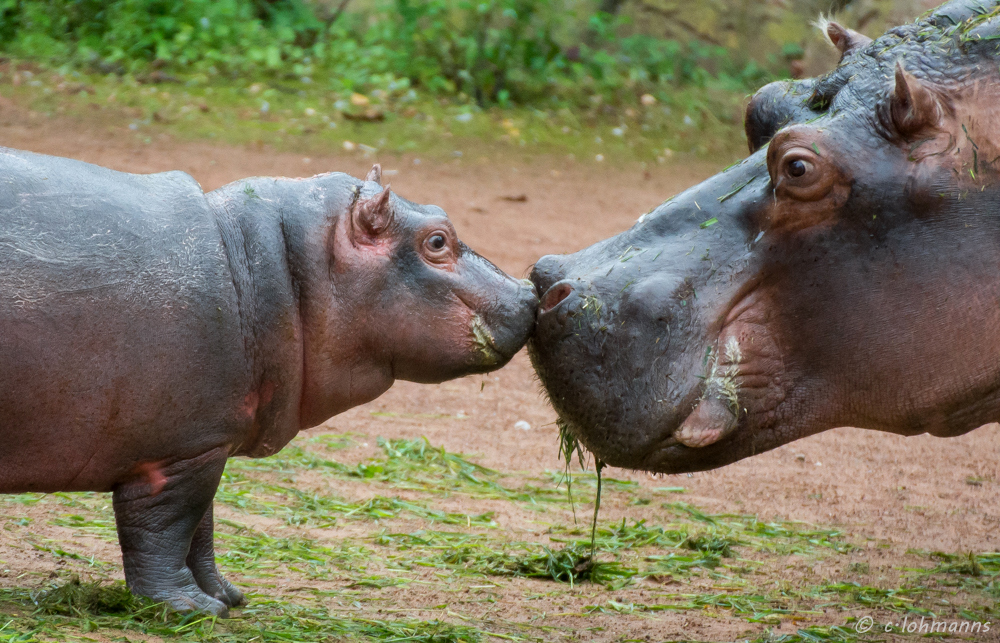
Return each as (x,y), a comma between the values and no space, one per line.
(149,331)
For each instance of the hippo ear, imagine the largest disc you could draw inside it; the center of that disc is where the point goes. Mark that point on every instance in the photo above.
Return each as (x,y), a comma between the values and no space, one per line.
(913,106)
(847,41)
(375,174)
(371,217)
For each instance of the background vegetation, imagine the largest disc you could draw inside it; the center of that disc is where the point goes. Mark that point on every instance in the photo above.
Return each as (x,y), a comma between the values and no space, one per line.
(497,51)
(661,75)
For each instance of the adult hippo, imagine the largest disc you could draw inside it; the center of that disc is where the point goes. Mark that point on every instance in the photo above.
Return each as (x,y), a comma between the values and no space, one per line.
(149,331)
(847,273)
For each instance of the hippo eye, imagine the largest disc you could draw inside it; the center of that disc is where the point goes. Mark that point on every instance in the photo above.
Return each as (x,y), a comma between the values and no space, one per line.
(797,168)
(437,242)
(437,248)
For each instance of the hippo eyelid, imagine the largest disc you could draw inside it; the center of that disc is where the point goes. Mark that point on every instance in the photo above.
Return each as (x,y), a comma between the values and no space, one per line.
(444,255)
(779,165)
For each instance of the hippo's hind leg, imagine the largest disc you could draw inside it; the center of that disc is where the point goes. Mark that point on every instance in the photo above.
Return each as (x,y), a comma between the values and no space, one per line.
(157,517)
(201,562)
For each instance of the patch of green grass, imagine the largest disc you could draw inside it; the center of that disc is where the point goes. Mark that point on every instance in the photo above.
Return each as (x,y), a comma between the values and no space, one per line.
(756,608)
(413,465)
(82,599)
(417,465)
(334,441)
(253,553)
(102,526)
(574,561)
(625,535)
(987,564)
(58,550)
(476,554)
(969,572)
(308,119)
(894,599)
(332,585)
(70,611)
(786,537)
(298,507)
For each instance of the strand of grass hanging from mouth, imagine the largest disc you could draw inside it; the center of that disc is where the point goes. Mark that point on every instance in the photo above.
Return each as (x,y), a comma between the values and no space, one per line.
(597,508)
(568,444)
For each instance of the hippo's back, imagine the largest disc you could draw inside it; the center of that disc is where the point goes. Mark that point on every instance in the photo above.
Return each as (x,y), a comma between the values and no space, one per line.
(66,224)
(117,315)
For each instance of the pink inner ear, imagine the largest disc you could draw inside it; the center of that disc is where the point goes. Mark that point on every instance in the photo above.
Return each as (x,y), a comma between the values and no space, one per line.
(845,40)
(836,35)
(913,105)
(375,214)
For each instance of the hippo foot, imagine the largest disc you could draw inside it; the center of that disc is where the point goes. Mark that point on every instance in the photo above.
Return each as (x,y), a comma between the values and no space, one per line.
(182,598)
(201,562)
(234,597)
(220,589)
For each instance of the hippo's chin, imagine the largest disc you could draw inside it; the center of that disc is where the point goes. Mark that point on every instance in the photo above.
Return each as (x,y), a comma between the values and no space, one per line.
(620,425)
(659,455)
(635,423)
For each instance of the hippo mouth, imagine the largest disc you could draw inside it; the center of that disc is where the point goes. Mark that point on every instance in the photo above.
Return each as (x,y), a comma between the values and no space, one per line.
(485,344)
(496,333)
(635,399)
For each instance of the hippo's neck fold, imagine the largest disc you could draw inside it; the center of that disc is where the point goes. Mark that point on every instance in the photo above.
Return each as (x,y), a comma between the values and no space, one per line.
(255,241)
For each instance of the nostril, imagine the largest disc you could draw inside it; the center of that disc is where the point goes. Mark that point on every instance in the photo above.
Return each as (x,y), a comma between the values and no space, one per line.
(547,271)
(555,295)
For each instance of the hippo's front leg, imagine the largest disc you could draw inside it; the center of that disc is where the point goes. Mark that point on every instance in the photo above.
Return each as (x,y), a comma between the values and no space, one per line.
(201,562)
(157,517)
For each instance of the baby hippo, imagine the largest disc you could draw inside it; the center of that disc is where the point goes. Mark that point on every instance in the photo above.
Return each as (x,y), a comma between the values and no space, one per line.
(150,331)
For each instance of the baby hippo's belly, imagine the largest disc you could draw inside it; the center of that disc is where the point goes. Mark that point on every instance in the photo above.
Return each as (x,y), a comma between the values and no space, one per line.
(90,393)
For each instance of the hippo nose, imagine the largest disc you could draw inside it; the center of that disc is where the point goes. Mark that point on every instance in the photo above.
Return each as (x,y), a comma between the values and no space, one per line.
(547,271)
(555,296)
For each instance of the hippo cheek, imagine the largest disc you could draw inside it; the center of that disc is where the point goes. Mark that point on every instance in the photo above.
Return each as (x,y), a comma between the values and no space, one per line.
(741,397)
(651,375)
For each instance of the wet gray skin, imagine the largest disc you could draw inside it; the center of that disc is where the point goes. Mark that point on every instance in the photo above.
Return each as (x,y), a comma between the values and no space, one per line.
(149,331)
(844,274)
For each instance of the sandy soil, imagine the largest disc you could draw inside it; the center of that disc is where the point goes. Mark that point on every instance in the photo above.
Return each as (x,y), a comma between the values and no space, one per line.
(922,492)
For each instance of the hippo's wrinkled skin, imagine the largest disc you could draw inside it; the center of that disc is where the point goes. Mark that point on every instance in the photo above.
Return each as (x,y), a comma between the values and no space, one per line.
(847,274)
(149,331)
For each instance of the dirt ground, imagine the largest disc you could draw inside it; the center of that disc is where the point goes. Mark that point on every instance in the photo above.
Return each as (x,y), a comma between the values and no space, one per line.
(889,495)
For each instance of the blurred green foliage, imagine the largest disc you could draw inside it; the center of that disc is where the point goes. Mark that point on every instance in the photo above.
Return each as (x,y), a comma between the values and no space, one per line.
(495,52)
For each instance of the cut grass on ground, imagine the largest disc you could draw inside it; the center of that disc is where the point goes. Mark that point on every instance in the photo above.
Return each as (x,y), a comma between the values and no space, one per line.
(325,544)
